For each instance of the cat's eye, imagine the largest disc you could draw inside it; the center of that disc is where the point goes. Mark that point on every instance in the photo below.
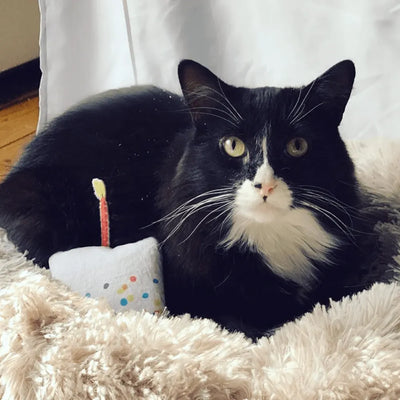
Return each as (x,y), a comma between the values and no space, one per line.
(297,147)
(233,146)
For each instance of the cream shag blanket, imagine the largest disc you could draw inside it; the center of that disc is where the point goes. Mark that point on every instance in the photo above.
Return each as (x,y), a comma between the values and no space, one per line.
(55,344)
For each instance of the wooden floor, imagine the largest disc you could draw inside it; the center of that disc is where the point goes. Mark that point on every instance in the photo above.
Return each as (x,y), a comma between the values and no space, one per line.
(17,128)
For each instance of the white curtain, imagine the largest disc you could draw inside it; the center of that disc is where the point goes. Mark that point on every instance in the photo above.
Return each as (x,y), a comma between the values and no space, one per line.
(89,46)
(84,49)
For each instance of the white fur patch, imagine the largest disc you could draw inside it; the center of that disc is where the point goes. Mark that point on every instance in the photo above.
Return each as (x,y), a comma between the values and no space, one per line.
(264,174)
(289,239)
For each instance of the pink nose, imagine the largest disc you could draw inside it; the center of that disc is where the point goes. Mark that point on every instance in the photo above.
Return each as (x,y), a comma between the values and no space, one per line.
(266,189)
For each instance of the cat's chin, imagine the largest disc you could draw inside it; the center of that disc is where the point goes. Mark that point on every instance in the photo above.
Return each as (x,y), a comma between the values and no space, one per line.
(263,213)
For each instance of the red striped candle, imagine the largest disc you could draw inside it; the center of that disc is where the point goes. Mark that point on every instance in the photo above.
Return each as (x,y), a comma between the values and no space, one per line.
(100,193)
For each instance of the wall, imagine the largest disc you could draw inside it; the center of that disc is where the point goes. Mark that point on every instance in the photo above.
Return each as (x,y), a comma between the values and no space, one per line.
(19,32)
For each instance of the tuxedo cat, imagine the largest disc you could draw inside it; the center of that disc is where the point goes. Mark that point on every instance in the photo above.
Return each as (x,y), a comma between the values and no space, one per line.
(250,192)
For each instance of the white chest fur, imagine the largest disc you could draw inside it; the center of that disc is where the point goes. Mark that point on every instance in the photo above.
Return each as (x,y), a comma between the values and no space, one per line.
(289,246)
(289,239)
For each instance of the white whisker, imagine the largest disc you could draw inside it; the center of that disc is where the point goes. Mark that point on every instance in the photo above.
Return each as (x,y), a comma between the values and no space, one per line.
(302,116)
(330,200)
(309,189)
(218,116)
(301,108)
(202,93)
(350,212)
(201,221)
(226,98)
(333,218)
(216,109)
(226,190)
(295,105)
(188,209)
(222,213)
(225,220)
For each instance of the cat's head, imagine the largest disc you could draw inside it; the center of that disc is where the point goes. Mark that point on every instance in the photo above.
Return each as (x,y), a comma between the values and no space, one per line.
(274,161)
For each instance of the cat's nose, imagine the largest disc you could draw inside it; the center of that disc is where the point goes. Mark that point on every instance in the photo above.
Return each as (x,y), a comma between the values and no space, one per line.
(266,189)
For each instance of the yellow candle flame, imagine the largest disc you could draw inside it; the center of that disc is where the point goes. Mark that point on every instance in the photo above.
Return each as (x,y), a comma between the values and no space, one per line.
(99,188)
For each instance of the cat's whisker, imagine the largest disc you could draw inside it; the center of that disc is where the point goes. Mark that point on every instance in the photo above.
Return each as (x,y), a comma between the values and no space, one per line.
(218,116)
(327,194)
(300,112)
(302,116)
(330,199)
(226,219)
(177,227)
(340,225)
(301,108)
(188,206)
(350,215)
(326,212)
(216,109)
(333,218)
(223,281)
(295,105)
(222,94)
(222,213)
(194,207)
(228,105)
(201,221)
(338,206)
(226,98)
(184,216)
(202,93)
(221,201)
(222,190)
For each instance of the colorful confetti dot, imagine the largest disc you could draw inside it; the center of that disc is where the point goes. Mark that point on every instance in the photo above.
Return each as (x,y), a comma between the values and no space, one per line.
(155,280)
(106,285)
(132,278)
(145,295)
(120,291)
(87,294)
(124,286)
(124,302)
(157,302)
(130,297)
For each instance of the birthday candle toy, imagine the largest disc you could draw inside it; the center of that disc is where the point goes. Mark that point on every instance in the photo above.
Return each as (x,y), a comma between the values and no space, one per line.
(100,193)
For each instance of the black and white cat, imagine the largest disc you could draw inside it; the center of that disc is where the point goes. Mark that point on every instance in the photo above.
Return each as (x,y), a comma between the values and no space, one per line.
(250,192)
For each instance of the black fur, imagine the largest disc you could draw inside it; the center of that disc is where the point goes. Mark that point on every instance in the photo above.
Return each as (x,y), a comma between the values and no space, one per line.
(154,155)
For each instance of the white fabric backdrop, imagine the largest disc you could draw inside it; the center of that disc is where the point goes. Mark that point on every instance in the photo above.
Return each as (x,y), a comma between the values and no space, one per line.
(84,49)
(93,45)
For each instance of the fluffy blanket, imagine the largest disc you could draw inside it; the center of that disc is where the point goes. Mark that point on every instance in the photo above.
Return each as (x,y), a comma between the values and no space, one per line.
(55,344)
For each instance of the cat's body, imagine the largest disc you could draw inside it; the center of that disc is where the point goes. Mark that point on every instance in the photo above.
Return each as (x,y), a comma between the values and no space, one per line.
(252,194)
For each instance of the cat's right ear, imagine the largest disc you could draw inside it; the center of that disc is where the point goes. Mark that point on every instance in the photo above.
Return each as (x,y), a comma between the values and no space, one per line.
(334,87)
(201,89)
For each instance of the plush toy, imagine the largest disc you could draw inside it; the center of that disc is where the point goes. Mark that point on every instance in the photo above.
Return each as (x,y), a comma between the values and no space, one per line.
(127,276)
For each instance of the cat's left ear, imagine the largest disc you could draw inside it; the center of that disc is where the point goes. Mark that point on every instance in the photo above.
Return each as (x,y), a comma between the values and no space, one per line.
(333,89)
(203,91)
